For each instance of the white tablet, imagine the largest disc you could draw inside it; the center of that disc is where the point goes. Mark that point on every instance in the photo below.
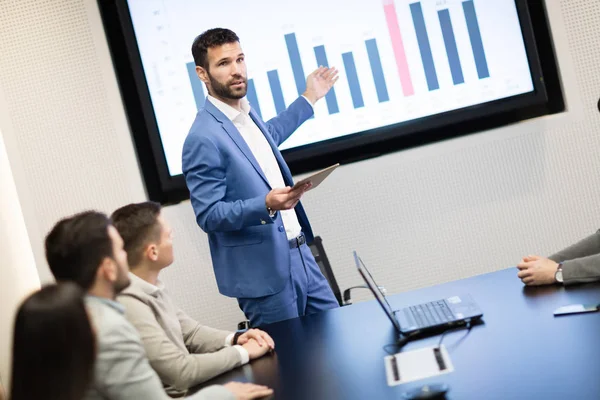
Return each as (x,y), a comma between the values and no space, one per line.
(316,178)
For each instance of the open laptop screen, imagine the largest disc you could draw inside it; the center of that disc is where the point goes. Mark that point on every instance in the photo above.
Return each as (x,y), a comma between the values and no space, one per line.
(368,278)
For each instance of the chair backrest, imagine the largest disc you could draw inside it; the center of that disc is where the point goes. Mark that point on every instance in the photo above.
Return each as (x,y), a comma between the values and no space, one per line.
(316,247)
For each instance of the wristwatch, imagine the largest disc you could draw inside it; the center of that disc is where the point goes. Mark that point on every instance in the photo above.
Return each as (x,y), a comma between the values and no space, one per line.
(237,335)
(558,276)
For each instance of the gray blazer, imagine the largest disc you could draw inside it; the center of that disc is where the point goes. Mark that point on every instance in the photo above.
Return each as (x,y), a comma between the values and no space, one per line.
(581,261)
(181,351)
(122,371)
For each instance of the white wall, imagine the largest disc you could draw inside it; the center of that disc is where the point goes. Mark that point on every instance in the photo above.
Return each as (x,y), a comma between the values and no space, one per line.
(418,217)
(18,275)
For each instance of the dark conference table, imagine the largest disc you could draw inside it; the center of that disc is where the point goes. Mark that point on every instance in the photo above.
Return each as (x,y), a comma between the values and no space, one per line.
(521,351)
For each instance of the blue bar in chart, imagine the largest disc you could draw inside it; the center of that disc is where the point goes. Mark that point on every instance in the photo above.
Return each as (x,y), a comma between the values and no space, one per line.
(197,86)
(252,98)
(330,97)
(451,49)
(276,91)
(294,53)
(424,46)
(352,75)
(377,70)
(476,42)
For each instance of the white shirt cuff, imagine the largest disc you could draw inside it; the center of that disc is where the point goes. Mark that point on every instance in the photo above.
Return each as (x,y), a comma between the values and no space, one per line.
(308,101)
(229,339)
(243,353)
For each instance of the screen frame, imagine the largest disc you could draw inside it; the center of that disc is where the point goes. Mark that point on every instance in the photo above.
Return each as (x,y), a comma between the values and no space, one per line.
(546,98)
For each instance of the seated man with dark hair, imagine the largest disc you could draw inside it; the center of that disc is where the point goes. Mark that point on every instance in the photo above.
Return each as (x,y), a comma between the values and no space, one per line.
(578,263)
(182,352)
(87,249)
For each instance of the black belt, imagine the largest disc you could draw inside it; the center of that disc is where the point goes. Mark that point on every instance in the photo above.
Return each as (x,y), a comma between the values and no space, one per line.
(297,241)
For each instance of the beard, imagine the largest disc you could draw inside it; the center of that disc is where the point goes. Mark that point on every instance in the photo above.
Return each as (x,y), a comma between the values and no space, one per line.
(122,281)
(226,91)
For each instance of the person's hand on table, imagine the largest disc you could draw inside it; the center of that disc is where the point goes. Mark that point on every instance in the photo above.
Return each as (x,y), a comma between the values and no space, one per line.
(535,270)
(255,350)
(248,391)
(261,337)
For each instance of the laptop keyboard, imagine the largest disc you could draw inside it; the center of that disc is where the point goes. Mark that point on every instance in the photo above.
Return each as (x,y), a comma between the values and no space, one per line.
(429,314)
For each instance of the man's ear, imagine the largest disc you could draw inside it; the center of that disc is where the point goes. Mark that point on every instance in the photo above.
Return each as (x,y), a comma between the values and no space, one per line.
(151,252)
(202,74)
(107,270)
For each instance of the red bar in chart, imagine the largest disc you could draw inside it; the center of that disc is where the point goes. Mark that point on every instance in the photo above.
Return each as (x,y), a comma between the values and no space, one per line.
(392,22)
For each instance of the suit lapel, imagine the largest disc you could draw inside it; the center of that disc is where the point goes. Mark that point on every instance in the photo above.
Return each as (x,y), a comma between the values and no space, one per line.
(236,136)
(285,171)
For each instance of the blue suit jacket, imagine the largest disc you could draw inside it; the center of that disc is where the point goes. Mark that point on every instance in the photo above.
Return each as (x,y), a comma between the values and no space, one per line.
(250,250)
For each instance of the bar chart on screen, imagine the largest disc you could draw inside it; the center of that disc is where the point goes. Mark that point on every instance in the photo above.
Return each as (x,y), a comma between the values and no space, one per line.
(379,81)
(398,60)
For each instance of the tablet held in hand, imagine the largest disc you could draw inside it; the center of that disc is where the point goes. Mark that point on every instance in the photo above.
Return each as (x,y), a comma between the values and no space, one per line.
(316,178)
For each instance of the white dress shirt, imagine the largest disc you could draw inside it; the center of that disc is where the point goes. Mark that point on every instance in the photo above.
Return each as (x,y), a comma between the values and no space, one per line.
(260,148)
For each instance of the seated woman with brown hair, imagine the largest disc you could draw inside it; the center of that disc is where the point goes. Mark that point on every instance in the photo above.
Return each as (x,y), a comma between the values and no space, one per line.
(53,346)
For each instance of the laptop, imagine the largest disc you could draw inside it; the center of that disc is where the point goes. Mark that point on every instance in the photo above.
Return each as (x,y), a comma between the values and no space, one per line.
(427,317)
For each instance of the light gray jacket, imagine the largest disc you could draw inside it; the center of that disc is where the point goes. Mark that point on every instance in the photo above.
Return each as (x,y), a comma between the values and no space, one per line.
(122,371)
(581,261)
(182,352)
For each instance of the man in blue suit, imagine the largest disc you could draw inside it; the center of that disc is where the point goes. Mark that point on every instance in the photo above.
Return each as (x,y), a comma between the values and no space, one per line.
(241,189)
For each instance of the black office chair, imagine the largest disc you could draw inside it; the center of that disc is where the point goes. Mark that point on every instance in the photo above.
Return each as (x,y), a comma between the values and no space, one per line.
(318,251)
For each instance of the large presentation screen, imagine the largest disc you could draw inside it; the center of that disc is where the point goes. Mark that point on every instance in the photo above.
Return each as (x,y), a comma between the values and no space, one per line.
(399,60)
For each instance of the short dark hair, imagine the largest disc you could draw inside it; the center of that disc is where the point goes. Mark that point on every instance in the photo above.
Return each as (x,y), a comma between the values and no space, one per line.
(53,345)
(211,38)
(76,247)
(137,224)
